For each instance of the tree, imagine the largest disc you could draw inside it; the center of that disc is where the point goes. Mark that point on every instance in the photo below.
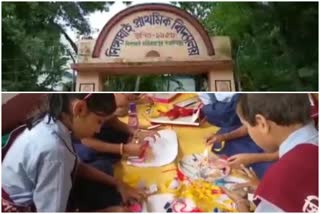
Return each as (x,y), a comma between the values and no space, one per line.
(31,39)
(274,44)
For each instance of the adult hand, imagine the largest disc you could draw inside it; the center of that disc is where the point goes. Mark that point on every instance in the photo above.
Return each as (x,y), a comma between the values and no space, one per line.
(128,193)
(245,159)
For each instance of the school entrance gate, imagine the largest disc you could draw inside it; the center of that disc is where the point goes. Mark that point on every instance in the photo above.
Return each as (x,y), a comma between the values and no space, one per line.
(154,39)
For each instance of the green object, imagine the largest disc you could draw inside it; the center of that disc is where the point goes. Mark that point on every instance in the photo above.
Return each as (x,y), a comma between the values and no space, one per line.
(4,140)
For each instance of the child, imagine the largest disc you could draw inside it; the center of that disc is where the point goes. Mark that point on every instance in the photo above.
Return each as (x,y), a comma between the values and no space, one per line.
(106,144)
(240,141)
(39,162)
(102,151)
(220,110)
(282,122)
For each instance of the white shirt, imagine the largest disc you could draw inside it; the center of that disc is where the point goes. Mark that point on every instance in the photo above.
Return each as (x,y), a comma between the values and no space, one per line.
(306,134)
(38,167)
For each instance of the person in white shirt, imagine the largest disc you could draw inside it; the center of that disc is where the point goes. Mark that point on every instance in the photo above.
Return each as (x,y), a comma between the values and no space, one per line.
(39,162)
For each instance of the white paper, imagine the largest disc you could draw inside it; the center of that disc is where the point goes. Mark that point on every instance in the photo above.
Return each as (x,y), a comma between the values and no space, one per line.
(164,149)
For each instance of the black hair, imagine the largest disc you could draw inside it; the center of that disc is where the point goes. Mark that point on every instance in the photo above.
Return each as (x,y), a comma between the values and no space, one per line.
(56,104)
(283,109)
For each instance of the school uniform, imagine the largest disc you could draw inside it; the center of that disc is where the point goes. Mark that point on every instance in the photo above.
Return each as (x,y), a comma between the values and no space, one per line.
(38,167)
(220,110)
(291,184)
(91,195)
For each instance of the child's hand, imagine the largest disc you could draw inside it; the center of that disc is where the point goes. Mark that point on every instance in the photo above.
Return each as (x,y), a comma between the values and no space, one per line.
(234,196)
(145,98)
(215,138)
(246,159)
(143,134)
(131,97)
(242,204)
(133,149)
(253,180)
(128,193)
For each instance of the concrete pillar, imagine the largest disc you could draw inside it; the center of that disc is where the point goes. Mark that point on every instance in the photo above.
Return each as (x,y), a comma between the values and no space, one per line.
(221,80)
(89,81)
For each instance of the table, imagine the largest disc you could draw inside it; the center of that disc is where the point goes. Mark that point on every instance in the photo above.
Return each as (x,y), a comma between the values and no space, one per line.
(190,139)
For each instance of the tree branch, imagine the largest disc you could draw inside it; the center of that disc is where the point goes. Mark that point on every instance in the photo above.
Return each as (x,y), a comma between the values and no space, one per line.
(61,30)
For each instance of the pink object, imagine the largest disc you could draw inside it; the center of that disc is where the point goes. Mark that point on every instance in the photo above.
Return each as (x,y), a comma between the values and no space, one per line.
(182,207)
(135,208)
(181,203)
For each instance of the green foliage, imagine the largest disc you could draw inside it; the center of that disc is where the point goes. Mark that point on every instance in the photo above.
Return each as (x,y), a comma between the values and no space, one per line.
(31,41)
(275,45)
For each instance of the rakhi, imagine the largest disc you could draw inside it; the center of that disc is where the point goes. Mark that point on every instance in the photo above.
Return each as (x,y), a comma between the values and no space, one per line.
(176,202)
(220,148)
(183,208)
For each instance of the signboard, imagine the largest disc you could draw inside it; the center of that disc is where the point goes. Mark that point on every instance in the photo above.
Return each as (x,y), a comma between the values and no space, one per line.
(166,33)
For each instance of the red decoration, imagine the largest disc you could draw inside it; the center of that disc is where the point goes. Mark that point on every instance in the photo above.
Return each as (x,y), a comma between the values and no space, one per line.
(180,175)
(196,210)
(177,112)
(215,191)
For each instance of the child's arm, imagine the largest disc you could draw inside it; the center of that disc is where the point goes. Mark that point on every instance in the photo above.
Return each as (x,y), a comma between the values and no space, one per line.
(250,158)
(53,184)
(237,133)
(265,157)
(121,111)
(105,147)
(119,125)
